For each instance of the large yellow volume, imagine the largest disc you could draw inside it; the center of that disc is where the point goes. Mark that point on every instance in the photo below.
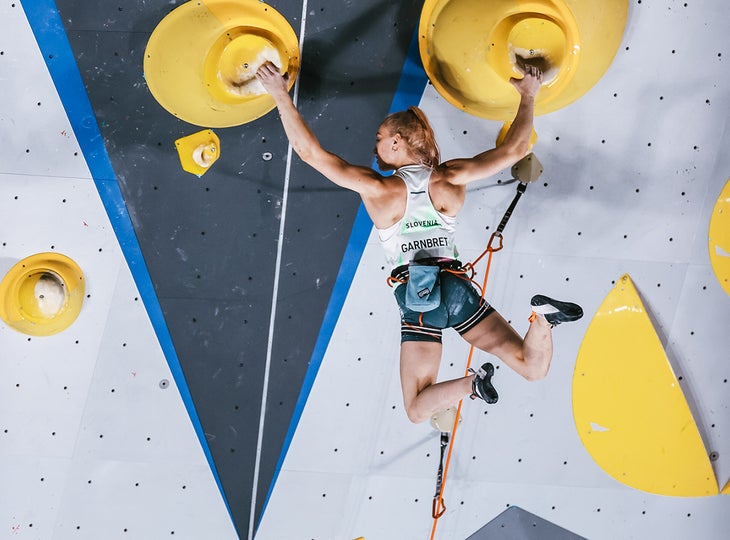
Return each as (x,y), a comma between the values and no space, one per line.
(719,238)
(471,48)
(201,60)
(629,409)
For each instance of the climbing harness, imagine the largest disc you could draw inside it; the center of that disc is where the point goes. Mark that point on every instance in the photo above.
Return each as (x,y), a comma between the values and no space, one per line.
(401,274)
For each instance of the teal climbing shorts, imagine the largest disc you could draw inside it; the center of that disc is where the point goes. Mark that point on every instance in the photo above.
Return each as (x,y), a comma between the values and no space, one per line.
(460,308)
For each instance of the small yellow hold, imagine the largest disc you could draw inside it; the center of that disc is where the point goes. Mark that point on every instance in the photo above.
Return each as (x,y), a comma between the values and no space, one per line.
(726,489)
(198,151)
(42,295)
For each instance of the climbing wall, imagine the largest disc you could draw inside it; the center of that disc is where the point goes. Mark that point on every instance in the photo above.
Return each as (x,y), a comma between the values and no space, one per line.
(284,329)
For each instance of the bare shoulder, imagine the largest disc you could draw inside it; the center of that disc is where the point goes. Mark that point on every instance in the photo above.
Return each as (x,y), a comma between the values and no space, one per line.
(446,191)
(387,203)
(388,186)
(379,185)
(449,173)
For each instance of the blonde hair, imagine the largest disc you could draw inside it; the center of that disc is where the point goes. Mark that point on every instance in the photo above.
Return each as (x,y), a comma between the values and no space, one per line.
(413,126)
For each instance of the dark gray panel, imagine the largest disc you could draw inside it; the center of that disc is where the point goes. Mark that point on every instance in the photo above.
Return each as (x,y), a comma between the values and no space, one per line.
(120,16)
(518,524)
(135,15)
(352,63)
(222,344)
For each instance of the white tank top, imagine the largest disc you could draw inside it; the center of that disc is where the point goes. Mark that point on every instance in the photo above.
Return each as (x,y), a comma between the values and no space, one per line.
(423,232)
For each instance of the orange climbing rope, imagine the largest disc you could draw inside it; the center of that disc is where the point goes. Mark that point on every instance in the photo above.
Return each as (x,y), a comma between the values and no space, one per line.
(439,507)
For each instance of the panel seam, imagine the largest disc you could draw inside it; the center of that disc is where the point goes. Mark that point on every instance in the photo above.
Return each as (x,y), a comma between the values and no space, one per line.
(275,296)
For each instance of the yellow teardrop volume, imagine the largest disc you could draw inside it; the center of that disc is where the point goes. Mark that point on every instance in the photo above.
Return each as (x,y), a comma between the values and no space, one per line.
(628,407)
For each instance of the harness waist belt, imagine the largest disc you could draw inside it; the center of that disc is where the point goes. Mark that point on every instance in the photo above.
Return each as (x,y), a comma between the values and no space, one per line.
(400,273)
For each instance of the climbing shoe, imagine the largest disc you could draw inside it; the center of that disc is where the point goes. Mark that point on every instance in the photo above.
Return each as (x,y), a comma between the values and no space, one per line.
(481,385)
(554,311)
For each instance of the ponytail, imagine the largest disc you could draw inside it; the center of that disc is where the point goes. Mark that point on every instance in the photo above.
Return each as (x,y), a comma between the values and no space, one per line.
(415,129)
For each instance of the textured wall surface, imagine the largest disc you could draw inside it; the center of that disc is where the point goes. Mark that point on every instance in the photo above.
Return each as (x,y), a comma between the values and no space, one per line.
(220,368)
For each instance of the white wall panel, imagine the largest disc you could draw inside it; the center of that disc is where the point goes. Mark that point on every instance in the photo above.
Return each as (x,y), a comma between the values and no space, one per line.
(92,446)
(30,99)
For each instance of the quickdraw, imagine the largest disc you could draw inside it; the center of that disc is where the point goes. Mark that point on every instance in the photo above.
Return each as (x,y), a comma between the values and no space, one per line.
(438,501)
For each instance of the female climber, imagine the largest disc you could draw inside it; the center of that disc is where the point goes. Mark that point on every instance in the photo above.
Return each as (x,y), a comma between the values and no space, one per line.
(414,211)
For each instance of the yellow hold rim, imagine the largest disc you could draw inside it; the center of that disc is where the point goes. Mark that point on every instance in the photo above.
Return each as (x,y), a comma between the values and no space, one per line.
(628,407)
(471,48)
(201,59)
(719,238)
(25,307)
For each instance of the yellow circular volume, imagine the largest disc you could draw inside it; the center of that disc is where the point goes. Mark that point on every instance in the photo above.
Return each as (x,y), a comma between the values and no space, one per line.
(471,48)
(42,294)
(201,60)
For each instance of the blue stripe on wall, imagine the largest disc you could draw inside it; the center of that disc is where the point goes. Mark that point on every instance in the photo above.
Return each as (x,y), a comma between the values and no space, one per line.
(410,89)
(47,27)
